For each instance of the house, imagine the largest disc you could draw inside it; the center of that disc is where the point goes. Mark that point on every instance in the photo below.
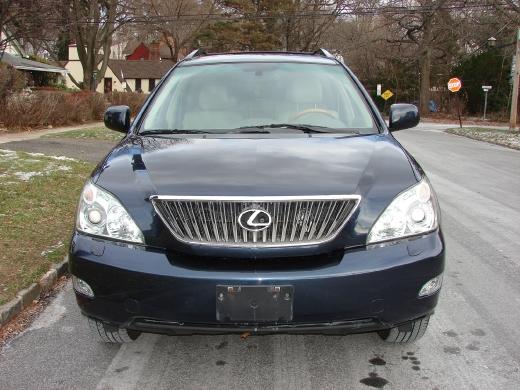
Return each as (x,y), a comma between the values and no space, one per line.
(135,51)
(121,75)
(37,72)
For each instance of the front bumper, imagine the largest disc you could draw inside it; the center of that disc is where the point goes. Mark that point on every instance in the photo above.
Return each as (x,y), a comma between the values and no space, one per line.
(365,289)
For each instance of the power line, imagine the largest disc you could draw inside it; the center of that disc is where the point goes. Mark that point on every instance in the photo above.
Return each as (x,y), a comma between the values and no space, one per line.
(270,15)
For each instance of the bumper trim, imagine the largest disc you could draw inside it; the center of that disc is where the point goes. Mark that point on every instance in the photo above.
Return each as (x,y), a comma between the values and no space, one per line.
(333,328)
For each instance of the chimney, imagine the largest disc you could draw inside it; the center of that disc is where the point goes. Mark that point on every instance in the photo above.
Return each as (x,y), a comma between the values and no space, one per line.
(73,52)
(154,51)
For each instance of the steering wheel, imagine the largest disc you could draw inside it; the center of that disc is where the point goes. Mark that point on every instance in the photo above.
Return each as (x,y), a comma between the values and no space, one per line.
(329,113)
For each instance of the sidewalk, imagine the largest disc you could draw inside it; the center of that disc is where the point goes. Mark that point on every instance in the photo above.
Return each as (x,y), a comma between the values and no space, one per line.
(34,134)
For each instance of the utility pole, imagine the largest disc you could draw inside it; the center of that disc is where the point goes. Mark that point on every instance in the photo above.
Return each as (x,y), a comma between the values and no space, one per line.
(516,75)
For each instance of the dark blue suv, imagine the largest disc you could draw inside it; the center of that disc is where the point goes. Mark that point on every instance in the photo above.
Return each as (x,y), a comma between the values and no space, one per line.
(258,192)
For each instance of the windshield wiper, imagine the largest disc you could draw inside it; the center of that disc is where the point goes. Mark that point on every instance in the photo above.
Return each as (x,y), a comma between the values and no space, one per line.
(304,128)
(172,131)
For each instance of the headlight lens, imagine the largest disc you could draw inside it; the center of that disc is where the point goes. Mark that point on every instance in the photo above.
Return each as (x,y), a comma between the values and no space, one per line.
(101,214)
(412,212)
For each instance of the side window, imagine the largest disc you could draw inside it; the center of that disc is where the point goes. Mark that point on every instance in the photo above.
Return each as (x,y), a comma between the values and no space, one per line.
(138,85)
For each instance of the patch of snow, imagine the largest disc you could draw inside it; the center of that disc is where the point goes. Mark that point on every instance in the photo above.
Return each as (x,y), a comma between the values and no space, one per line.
(26,176)
(5,153)
(62,158)
(52,248)
(59,158)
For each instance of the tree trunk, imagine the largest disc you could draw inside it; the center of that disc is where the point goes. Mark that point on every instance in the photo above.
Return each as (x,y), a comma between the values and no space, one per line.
(425,62)
(424,94)
(93,37)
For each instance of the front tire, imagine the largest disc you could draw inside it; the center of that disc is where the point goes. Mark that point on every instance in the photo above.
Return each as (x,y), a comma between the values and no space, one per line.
(111,334)
(407,333)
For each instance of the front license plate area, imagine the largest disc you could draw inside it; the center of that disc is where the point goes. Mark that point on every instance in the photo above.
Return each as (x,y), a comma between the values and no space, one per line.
(254,303)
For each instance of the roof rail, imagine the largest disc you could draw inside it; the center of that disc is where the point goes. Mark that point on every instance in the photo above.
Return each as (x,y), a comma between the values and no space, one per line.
(324,53)
(194,54)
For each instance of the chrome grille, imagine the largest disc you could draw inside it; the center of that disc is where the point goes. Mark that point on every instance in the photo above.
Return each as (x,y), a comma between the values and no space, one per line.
(295,220)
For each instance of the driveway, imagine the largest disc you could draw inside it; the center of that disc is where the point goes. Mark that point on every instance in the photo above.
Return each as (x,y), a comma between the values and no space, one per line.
(83,149)
(473,341)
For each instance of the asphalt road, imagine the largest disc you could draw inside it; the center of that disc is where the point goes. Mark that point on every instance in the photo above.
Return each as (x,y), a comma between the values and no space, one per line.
(473,341)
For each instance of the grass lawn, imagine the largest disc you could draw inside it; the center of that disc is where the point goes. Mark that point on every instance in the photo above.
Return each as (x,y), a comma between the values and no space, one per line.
(495,136)
(38,196)
(101,133)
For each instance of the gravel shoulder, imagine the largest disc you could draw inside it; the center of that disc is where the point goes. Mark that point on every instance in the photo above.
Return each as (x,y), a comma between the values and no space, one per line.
(492,135)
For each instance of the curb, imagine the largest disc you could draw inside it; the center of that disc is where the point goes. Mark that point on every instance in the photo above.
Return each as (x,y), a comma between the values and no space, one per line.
(25,297)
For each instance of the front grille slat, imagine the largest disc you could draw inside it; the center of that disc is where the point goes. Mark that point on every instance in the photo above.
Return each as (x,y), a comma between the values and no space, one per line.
(195,222)
(183,219)
(295,220)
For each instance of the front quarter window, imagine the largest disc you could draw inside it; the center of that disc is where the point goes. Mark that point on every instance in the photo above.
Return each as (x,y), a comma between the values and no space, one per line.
(222,97)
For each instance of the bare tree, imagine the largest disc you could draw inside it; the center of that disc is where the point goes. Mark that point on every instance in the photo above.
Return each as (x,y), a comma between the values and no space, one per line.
(422,31)
(303,23)
(21,20)
(177,22)
(93,23)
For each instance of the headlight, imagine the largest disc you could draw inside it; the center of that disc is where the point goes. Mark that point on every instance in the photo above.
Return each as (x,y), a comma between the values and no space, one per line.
(101,214)
(412,212)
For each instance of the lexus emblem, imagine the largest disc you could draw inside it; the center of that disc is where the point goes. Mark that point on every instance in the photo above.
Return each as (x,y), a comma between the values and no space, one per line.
(254,220)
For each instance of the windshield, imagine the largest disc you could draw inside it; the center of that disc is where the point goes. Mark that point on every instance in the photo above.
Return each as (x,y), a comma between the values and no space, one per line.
(223,97)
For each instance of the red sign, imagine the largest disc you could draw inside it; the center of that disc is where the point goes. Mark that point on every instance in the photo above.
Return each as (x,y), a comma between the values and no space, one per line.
(454,85)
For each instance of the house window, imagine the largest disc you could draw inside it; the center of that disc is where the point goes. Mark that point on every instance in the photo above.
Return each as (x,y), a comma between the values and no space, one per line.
(138,85)
(151,85)
(107,86)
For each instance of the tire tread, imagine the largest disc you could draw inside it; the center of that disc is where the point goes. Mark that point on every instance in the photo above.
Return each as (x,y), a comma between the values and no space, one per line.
(108,333)
(418,330)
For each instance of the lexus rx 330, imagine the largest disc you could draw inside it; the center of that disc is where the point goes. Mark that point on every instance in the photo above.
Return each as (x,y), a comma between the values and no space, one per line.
(261,193)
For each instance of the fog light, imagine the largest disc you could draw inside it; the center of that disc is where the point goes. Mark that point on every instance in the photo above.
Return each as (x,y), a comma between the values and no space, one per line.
(431,286)
(82,287)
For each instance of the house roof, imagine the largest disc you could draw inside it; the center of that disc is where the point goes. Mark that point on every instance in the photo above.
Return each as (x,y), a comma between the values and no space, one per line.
(164,50)
(141,69)
(25,64)
(130,47)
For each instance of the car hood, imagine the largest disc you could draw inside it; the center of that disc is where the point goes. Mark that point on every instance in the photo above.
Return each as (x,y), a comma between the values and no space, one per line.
(372,166)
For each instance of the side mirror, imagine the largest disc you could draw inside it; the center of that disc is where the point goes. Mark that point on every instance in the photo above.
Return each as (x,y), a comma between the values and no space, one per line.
(118,118)
(403,116)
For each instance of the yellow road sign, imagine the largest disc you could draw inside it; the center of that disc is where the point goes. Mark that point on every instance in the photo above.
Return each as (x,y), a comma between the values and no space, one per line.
(387,94)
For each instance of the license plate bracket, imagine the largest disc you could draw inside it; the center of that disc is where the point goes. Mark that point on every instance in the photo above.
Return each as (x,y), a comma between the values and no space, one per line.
(253,304)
